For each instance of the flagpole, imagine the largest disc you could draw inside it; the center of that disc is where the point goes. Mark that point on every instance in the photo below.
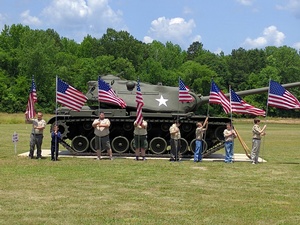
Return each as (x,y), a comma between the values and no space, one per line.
(262,160)
(231,124)
(56,139)
(207,114)
(98,95)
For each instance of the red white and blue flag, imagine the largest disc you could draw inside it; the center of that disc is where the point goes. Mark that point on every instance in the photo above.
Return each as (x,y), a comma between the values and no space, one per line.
(69,96)
(238,105)
(184,95)
(106,94)
(279,97)
(217,97)
(139,104)
(30,111)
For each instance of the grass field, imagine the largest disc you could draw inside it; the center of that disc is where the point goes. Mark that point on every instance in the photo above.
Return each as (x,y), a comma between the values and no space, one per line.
(122,191)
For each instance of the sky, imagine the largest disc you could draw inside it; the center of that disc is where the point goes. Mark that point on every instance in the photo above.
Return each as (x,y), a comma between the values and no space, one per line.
(220,25)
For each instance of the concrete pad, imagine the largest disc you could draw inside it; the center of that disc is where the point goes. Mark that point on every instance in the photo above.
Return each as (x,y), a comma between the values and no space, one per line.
(216,157)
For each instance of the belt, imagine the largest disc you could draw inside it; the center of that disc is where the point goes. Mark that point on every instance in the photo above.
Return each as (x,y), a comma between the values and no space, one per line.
(140,135)
(36,134)
(103,136)
(256,139)
(227,141)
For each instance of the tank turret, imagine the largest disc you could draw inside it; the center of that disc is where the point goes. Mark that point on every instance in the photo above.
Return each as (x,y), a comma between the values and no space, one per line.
(156,97)
(161,108)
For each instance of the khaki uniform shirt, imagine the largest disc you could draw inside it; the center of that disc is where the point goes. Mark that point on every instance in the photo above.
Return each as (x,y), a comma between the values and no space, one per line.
(199,133)
(256,131)
(230,137)
(138,130)
(37,123)
(172,129)
(101,131)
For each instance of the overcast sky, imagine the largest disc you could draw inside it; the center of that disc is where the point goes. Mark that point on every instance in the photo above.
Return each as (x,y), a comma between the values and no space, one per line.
(221,25)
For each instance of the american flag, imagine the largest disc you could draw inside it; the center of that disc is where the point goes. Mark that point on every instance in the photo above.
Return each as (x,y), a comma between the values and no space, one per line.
(217,97)
(30,112)
(184,95)
(279,97)
(106,94)
(69,96)
(139,104)
(238,105)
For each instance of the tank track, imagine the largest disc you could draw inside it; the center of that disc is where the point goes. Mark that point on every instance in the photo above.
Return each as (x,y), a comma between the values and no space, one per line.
(219,144)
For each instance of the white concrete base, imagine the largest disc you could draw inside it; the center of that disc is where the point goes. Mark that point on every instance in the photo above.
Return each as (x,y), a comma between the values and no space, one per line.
(213,157)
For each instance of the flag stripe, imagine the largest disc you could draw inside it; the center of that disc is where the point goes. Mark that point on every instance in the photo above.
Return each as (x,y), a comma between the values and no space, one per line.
(184,95)
(238,105)
(69,96)
(217,97)
(279,97)
(140,103)
(106,94)
(32,98)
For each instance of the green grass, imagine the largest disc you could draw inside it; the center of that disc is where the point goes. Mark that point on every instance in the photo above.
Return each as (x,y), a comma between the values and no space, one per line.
(86,191)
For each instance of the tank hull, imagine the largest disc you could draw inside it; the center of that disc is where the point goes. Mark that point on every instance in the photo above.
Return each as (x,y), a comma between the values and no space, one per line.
(78,133)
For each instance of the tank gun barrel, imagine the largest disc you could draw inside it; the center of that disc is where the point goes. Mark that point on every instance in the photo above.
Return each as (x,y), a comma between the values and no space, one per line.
(205,99)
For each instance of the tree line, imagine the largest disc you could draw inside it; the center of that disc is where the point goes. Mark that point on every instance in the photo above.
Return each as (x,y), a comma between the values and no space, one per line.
(44,54)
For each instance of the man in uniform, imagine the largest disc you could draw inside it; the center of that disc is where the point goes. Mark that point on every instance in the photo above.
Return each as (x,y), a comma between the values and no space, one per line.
(101,131)
(140,139)
(36,136)
(257,133)
(175,140)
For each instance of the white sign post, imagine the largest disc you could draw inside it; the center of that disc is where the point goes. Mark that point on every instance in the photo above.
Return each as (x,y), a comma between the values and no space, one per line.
(15,139)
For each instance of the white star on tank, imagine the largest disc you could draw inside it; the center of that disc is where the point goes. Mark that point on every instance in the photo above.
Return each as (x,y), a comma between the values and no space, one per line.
(162,101)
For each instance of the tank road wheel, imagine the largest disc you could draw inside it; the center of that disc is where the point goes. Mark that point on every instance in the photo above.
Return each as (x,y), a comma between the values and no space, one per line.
(87,126)
(183,146)
(128,126)
(63,128)
(92,145)
(80,143)
(186,127)
(158,145)
(193,145)
(219,133)
(165,127)
(120,144)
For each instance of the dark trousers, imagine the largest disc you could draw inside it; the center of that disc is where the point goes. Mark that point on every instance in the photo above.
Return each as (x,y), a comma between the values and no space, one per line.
(36,140)
(175,147)
(54,150)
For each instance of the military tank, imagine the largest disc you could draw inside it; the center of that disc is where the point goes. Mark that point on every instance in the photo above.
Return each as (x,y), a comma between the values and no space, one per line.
(161,108)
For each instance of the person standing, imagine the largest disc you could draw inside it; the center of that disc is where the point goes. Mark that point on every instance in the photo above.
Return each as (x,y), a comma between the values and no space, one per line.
(36,136)
(229,135)
(55,139)
(175,140)
(140,139)
(101,131)
(199,139)
(257,133)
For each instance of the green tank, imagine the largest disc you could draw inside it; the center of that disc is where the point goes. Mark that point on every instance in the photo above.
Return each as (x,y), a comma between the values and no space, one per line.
(161,108)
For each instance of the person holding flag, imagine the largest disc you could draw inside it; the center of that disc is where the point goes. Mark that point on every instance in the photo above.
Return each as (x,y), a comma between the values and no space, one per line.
(36,136)
(257,133)
(201,128)
(229,135)
(140,126)
(140,139)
